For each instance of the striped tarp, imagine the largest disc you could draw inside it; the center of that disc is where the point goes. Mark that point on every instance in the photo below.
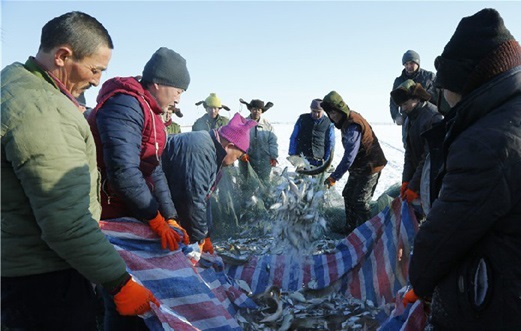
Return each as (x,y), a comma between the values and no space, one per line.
(371,263)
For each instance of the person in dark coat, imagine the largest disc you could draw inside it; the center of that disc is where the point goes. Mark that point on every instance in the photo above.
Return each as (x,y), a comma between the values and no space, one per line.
(363,158)
(313,135)
(192,162)
(413,100)
(130,137)
(212,119)
(467,253)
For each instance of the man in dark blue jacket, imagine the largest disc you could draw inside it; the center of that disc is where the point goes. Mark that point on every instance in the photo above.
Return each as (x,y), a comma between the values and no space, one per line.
(192,163)
(313,135)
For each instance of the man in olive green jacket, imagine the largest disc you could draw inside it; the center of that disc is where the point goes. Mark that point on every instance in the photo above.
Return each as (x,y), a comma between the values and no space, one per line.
(52,247)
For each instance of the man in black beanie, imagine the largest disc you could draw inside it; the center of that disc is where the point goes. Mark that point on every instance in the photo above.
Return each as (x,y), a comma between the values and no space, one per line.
(467,254)
(130,136)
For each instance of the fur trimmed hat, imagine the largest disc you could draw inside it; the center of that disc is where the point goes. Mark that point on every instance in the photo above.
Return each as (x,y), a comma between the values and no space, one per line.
(411,55)
(480,48)
(257,104)
(166,67)
(237,131)
(409,90)
(212,101)
(333,101)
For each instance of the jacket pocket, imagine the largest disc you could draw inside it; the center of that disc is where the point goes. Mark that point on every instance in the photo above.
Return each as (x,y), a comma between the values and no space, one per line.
(480,284)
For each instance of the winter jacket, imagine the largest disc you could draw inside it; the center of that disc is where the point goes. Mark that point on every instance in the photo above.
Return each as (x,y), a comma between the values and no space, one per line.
(205,123)
(422,76)
(50,184)
(369,158)
(314,138)
(172,127)
(467,254)
(418,120)
(263,148)
(130,137)
(191,162)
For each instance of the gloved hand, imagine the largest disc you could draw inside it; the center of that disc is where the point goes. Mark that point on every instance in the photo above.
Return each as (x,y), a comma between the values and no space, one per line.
(398,120)
(409,297)
(410,195)
(403,189)
(245,158)
(133,299)
(172,222)
(273,162)
(329,182)
(206,246)
(169,237)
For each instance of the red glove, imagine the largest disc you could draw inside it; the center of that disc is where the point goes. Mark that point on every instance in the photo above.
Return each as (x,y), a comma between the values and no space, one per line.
(329,182)
(402,190)
(273,162)
(245,158)
(133,299)
(206,246)
(168,235)
(410,195)
(409,297)
(173,222)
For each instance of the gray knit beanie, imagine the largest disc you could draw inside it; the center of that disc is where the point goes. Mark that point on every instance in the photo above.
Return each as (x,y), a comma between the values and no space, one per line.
(167,67)
(411,55)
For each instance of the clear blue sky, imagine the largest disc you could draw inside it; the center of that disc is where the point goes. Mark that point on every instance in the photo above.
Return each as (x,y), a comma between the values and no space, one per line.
(284,52)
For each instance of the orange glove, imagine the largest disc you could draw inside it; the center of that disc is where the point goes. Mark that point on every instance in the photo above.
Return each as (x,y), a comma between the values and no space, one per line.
(410,195)
(409,297)
(402,189)
(133,299)
(330,182)
(168,235)
(173,222)
(206,246)
(273,162)
(245,158)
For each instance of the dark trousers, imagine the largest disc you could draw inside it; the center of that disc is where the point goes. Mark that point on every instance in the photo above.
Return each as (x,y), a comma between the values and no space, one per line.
(116,322)
(60,300)
(357,194)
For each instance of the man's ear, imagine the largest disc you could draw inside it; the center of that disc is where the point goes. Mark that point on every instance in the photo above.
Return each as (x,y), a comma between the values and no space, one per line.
(61,55)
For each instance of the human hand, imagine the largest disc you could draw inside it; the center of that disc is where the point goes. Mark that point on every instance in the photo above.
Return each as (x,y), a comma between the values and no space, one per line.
(133,299)
(410,195)
(273,162)
(172,222)
(206,246)
(245,158)
(403,189)
(169,237)
(409,297)
(329,182)
(398,120)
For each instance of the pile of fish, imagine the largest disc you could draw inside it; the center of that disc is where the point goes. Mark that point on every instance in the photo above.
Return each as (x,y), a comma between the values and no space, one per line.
(295,225)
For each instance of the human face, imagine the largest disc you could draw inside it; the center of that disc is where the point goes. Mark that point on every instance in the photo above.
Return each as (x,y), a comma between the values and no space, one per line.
(335,116)
(255,114)
(82,74)
(452,98)
(316,113)
(411,67)
(212,111)
(166,96)
(232,154)
(409,105)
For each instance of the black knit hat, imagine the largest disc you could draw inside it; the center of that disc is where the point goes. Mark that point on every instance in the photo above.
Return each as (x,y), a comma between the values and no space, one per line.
(475,37)
(167,67)
(411,55)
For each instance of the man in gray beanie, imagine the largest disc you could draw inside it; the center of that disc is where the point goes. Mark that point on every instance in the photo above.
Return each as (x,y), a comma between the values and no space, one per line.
(130,137)
(467,253)
(411,70)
